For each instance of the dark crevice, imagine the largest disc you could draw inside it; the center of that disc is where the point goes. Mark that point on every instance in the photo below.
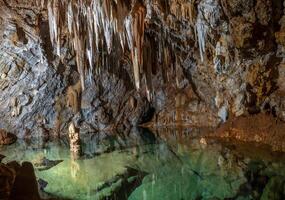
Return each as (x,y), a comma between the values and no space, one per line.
(46,43)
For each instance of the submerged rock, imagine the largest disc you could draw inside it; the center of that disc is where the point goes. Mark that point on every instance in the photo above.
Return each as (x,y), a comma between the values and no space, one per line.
(274,189)
(25,186)
(1,157)
(121,186)
(44,164)
(18,181)
(42,184)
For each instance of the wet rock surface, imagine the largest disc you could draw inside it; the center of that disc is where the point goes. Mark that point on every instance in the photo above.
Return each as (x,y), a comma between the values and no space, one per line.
(18,181)
(262,128)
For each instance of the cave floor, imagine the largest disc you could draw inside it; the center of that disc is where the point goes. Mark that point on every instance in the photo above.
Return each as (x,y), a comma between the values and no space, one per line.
(142,165)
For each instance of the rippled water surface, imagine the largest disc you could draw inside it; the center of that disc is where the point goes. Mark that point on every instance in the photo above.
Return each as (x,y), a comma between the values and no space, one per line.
(140,165)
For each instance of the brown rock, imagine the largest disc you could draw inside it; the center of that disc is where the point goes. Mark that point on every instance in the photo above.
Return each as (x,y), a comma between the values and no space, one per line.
(280,37)
(263,11)
(7,178)
(261,128)
(235,7)
(25,186)
(241,31)
(7,138)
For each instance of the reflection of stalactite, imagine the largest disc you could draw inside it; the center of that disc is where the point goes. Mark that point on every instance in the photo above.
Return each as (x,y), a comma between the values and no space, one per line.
(75,150)
(74,167)
(179,103)
(74,140)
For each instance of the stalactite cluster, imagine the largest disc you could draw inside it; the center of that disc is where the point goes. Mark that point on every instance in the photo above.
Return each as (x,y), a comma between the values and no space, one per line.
(93,27)
(97,28)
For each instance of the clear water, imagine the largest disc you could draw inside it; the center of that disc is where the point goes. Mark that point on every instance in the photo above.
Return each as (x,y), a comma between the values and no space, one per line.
(164,166)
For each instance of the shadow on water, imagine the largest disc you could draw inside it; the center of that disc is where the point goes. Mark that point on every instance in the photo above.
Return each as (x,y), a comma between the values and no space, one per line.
(144,165)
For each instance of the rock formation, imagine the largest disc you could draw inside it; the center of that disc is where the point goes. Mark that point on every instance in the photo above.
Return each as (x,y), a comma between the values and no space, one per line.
(7,180)
(18,181)
(118,64)
(7,138)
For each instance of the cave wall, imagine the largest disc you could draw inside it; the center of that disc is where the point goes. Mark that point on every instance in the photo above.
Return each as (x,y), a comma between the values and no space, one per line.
(203,62)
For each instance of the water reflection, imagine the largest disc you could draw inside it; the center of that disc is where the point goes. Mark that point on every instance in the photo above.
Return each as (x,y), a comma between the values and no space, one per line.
(142,165)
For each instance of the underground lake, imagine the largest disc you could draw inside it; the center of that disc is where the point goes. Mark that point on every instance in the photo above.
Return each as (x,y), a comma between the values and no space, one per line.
(142,165)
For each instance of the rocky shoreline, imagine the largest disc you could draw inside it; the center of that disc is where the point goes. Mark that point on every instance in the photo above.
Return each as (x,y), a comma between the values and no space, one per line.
(18,182)
(261,129)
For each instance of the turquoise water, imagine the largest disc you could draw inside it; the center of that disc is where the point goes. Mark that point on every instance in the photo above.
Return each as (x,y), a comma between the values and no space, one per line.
(144,166)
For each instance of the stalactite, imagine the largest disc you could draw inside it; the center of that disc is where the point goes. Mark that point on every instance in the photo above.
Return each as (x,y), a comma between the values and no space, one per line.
(183,9)
(201,29)
(73,96)
(53,15)
(95,28)
(138,15)
(147,66)
(90,22)
(208,15)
